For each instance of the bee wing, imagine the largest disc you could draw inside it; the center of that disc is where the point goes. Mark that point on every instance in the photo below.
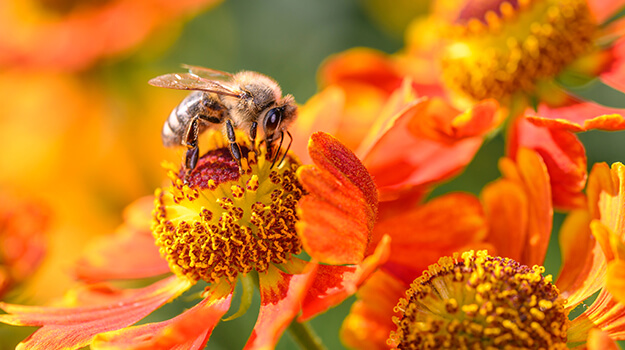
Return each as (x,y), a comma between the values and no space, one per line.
(188,81)
(208,73)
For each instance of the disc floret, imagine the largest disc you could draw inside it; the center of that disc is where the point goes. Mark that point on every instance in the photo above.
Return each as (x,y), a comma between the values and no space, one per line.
(219,222)
(476,301)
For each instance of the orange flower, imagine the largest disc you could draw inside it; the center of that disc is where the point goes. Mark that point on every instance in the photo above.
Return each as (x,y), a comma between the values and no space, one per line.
(483,300)
(24,225)
(522,51)
(218,228)
(422,140)
(72,35)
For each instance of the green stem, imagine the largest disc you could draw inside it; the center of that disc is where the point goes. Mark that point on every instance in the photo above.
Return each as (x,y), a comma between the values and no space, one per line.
(305,336)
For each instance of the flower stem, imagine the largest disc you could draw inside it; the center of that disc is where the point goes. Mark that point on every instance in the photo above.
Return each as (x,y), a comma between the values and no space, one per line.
(305,336)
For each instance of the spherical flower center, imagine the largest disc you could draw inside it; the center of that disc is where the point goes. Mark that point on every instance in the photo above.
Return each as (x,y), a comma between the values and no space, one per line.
(221,223)
(481,302)
(499,47)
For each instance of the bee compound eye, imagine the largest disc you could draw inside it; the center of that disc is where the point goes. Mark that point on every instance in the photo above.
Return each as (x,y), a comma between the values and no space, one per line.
(272,120)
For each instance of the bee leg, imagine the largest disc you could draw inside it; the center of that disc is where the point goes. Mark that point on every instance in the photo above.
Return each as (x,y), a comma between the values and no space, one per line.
(253,130)
(288,147)
(235,150)
(193,151)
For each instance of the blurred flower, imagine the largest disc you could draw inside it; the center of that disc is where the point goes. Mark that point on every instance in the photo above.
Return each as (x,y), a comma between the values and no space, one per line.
(24,226)
(463,282)
(71,35)
(220,227)
(521,52)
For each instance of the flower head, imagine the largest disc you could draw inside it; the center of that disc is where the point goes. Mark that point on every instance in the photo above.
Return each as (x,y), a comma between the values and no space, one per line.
(219,225)
(474,299)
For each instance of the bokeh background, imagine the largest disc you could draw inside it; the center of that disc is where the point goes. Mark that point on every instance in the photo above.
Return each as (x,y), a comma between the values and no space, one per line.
(82,136)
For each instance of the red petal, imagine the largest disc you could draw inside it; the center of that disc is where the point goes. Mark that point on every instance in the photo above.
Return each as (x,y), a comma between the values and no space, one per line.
(189,330)
(281,295)
(337,216)
(369,322)
(333,284)
(70,327)
(107,258)
(564,156)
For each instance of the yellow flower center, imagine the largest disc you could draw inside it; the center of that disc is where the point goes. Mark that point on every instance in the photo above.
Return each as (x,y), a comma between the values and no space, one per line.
(499,47)
(221,223)
(481,302)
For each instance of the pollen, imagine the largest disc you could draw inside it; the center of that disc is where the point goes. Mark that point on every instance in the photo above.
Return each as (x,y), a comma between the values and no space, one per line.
(219,223)
(475,301)
(496,48)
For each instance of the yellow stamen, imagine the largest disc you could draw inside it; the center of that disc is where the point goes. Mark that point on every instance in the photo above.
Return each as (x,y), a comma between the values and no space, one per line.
(476,301)
(513,46)
(221,223)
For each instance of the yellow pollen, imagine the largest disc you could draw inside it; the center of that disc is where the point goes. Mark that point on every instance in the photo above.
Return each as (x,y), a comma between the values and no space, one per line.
(221,224)
(511,49)
(476,301)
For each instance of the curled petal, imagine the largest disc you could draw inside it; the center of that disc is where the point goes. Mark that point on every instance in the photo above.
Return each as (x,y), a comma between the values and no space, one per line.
(72,327)
(369,322)
(606,195)
(564,156)
(578,117)
(281,295)
(189,330)
(337,216)
(333,284)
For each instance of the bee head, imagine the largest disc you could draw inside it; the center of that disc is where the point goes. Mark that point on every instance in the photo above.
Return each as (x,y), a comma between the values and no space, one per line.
(277,119)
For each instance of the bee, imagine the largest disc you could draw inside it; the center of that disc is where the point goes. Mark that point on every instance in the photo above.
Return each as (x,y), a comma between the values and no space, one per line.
(228,101)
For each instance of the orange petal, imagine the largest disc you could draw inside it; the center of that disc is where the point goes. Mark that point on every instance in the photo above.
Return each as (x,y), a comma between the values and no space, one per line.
(605,313)
(333,284)
(369,322)
(439,227)
(72,327)
(583,262)
(107,258)
(403,157)
(599,340)
(281,295)
(563,154)
(337,216)
(577,117)
(616,279)
(533,172)
(363,65)
(505,201)
(189,330)
(322,112)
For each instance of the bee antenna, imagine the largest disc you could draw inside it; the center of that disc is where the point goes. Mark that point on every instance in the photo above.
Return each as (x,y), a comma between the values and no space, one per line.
(278,150)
